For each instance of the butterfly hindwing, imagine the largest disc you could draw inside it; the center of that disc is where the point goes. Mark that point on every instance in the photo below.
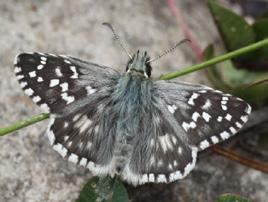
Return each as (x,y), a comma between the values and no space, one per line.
(54,82)
(86,137)
(159,153)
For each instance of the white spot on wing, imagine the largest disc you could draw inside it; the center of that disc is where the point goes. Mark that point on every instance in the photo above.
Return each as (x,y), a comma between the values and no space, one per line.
(36,99)
(233,130)
(76,117)
(219,119)
(190,165)
(172,108)
(19,77)
(238,125)
(248,109)
(67,61)
(64,86)
(75,74)
(215,139)
(60,149)
(174,139)
(66,124)
(40,79)
(83,162)
(83,123)
(58,72)
(43,58)
(192,98)
(54,82)
(90,90)
(44,107)
(29,91)
(23,84)
(144,178)
(50,134)
(204,144)
(187,126)
(73,158)
(244,118)
(195,116)
(39,67)
(206,116)
(17,69)
(32,74)
(165,142)
(179,150)
(228,117)
(224,107)
(151,177)
(16,59)
(202,91)
(224,135)
(207,105)
(67,98)
(161,178)
(224,102)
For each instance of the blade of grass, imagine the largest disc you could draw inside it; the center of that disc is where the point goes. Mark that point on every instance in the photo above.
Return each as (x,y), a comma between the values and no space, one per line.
(22,124)
(215,60)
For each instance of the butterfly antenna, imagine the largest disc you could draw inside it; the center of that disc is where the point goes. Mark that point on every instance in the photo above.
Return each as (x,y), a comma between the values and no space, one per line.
(169,50)
(123,46)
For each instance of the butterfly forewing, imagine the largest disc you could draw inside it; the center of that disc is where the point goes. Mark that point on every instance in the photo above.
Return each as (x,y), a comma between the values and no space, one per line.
(206,115)
(54,82)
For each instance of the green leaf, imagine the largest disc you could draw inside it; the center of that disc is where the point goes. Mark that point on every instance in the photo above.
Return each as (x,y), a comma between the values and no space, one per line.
(119,192)
(97,190)
(235,31)
(261,29)
(232,198)
(235,81)
(105,189)
(88,193)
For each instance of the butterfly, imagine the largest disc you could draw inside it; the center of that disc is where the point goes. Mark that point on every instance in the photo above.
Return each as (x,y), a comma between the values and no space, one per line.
(127,124)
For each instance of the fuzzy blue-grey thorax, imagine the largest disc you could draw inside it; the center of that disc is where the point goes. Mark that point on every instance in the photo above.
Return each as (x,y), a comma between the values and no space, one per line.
(139,64)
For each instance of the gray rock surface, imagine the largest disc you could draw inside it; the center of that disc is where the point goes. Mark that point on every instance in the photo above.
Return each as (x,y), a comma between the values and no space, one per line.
(29,169)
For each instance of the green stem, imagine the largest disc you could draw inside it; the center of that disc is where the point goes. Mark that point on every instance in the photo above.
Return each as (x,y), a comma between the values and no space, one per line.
(215,60)
(187,70)
(22,124)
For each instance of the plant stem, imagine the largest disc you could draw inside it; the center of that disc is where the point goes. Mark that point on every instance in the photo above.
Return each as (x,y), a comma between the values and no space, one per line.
(22,124)
(187,70)
(215,60)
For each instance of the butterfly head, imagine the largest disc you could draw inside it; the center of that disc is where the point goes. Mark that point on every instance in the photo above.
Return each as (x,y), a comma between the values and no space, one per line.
(139,64)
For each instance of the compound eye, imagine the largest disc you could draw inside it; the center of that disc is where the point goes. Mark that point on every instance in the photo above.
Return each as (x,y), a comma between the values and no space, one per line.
(128,64)
(148,69)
